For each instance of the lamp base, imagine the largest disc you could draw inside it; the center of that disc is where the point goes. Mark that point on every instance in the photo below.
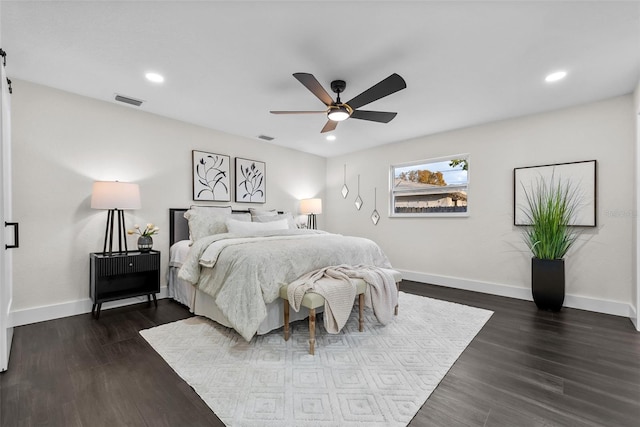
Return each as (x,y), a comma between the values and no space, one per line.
(311,221)
(108,233)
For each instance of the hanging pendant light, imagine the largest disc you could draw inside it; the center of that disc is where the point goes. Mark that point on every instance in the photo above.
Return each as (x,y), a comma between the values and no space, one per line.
(358,201)
(375,216)
(345,189)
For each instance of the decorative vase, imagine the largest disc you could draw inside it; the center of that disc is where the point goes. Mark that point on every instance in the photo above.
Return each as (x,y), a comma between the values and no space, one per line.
(145,243)
(547,283)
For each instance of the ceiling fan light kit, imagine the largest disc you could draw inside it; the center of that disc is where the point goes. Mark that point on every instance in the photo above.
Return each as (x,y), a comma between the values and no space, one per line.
(338,111)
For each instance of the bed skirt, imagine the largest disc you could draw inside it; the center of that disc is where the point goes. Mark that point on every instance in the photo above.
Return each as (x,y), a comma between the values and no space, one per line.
(202,304)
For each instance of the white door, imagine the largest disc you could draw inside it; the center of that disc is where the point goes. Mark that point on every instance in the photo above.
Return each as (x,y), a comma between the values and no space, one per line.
(8,235)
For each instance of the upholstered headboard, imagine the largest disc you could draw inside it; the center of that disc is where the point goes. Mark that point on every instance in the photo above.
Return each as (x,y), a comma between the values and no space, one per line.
(179,226)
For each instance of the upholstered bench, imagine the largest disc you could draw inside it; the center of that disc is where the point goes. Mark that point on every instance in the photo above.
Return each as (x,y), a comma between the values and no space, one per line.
(312,301)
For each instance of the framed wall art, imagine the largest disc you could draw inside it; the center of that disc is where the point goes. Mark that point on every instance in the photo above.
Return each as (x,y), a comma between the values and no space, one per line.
(211,177)
(581,176)
(251,181)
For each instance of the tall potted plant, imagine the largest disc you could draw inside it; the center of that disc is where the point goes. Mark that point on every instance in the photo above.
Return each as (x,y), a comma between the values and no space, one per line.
(550,207)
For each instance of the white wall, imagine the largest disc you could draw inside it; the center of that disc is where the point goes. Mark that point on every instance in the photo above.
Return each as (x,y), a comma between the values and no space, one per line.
(485,251)
(64,142)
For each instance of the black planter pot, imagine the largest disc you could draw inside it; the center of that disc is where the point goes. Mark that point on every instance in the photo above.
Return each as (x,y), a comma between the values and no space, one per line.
(547,283)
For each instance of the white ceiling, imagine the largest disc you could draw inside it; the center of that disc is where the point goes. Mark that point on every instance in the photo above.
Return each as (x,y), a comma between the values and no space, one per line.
(227,64)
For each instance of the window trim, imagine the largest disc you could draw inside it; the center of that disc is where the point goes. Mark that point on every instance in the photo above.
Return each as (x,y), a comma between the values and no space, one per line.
(391,205)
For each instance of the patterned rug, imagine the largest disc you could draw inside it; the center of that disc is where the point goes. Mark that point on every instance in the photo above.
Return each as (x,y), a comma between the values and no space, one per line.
(379,377)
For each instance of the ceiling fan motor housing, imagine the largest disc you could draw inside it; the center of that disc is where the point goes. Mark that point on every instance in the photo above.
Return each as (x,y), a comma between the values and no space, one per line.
(338,86)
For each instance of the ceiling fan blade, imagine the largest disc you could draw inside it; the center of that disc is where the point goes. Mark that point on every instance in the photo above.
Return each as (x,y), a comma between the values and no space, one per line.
(298,112)
(331,125)
(390,85)
(374,116)
(314,86)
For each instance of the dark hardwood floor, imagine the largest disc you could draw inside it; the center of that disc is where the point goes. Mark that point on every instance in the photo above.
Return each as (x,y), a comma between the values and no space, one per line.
(524,368)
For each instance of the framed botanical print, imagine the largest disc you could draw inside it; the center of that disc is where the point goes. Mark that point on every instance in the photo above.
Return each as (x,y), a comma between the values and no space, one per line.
(251,182)
(211,177)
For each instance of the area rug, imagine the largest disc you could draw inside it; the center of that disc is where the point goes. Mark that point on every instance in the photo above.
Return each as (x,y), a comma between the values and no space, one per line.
(378,377)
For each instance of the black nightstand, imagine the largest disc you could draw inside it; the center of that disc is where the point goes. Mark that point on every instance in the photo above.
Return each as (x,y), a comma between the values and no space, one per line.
(121,275)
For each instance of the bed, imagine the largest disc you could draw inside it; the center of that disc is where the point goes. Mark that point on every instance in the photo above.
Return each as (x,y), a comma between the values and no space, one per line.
(246,266)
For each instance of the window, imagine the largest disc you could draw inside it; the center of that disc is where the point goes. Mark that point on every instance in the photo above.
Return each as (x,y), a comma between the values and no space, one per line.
(433,187)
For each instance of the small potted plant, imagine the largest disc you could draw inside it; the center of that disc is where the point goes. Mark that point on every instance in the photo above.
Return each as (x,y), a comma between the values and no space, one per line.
(550,208)
(145,241)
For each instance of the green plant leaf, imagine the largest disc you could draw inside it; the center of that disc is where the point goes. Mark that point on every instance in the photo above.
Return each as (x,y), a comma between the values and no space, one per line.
(550,208)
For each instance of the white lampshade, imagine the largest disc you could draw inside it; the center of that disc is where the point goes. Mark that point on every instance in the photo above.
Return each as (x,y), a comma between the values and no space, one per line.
(115,195)
(311,206)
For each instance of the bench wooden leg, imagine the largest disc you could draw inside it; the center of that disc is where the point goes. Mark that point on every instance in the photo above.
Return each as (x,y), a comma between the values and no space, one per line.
(361,312)
(286,320)
(398,287)
(312,330)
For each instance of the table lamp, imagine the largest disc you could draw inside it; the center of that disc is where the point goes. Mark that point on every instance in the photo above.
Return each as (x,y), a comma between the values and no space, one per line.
(115,197)
(311,207)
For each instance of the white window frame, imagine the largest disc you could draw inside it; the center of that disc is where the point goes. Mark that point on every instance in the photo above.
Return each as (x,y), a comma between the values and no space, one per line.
(392,193)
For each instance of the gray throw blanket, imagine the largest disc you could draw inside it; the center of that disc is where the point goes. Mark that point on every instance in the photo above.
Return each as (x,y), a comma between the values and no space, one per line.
(335,284)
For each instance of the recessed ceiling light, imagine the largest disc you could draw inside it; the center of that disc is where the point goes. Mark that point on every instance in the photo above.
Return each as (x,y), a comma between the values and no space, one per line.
(554,77)
(331,137)
(154,77)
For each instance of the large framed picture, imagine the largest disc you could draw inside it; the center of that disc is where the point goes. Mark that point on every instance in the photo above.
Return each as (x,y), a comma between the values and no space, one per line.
(581,176)
(211,177)
(251,181)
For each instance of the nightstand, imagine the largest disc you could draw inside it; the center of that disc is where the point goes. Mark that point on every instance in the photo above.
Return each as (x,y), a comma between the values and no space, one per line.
(121,275)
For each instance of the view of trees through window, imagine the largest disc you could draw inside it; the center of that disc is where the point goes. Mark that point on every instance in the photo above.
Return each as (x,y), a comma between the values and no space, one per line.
(435,186)
(424,176)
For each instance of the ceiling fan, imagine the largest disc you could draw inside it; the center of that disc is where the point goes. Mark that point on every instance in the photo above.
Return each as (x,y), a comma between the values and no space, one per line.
(338,111)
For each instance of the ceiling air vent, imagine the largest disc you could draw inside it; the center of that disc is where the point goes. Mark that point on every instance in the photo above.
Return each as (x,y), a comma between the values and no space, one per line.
(128,100)
(266,138)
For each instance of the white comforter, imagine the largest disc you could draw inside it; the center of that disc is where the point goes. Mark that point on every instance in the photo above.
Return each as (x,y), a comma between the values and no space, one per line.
(244,273)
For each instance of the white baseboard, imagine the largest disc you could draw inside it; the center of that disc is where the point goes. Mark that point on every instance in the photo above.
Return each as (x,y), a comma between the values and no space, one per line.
(66,309)
(572,301)
(56,311)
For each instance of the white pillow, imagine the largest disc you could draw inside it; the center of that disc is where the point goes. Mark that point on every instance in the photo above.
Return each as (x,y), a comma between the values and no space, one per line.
(241,227)
(205,222)
(287,215)
(244,216)
(255,212)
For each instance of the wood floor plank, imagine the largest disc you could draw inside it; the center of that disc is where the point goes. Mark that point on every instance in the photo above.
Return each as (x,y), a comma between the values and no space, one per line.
(525,368)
